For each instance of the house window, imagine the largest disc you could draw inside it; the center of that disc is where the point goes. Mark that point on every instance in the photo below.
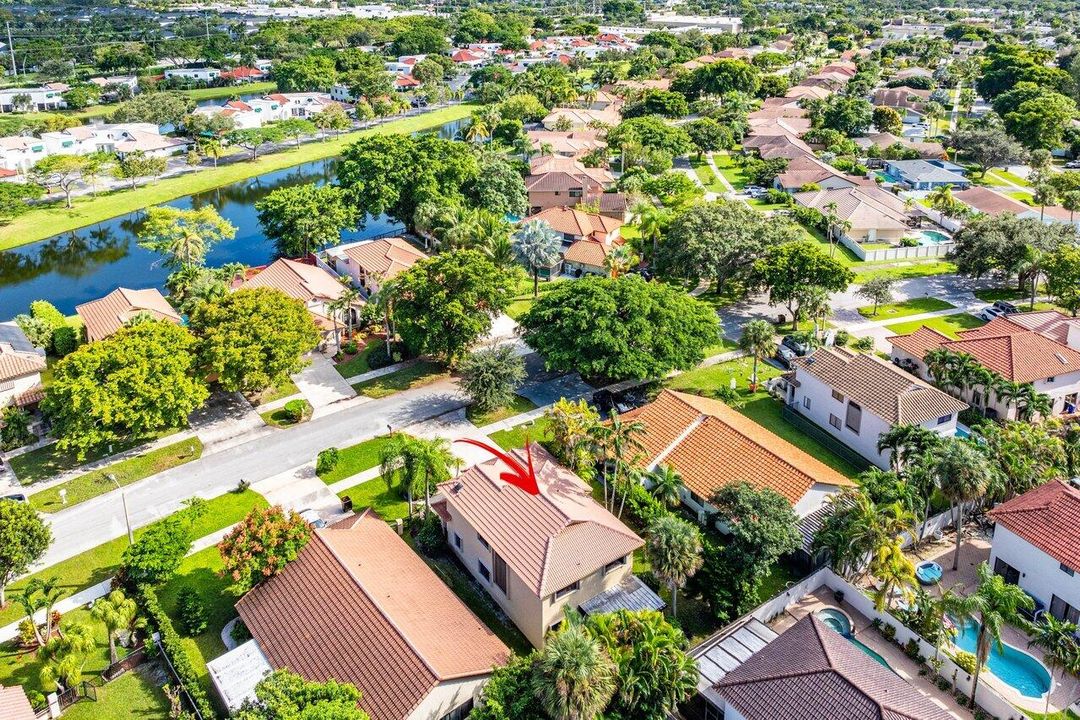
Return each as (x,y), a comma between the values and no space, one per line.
(837,396)
(482,541)
(854,417)
(498,565)
(459,713)
(806,401)
(944,419)
(834,421)
(1007,571)
(1051,379)
(575,192)
(573,587)
(457,541)
(1063,610)
(484,572)
(615,565)
(1066,569)
(697,499)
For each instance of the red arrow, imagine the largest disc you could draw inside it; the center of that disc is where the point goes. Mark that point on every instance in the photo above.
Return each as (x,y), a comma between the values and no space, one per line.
(520,475)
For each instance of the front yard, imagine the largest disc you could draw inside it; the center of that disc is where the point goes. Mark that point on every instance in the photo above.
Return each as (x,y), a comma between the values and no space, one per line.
(946,324)
(356,459)
(914,306)
(537,431)
(387,504)
(361,361)
(732,172)
(416,375)
(49,461)
(517,406)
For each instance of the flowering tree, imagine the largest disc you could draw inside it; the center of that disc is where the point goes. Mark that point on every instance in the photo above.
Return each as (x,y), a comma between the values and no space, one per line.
(262,545)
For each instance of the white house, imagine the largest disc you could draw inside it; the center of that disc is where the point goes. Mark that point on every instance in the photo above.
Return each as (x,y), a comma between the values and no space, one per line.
(1037,546)
(857,397)
(302,105)
(203,74)
(120,138)
(20,368)
(37,99)
(247,114)
(19,153)
(369,263)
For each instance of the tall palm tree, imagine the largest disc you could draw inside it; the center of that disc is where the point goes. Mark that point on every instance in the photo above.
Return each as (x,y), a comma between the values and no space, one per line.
(1030,402)
(674,549)
(415,464)
(1071,202)
(573,678)
(477,130)
(941,611)
(618,443)
(905,442)
(40,595)
(116,612)
(537,246)
(500,251)
(1057,640)
(759,339)
(997,604)
(894,573)
(666,485)
(620,260)
(963,474)
(651,221)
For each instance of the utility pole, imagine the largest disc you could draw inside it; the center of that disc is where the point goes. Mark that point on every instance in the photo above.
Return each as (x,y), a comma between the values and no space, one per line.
(11,49)
(206,20)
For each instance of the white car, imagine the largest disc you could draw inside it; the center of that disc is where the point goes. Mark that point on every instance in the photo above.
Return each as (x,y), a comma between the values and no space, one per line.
(991,312)
(312,518)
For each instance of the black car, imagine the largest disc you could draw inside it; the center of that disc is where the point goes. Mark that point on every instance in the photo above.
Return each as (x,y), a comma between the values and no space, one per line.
(790,348)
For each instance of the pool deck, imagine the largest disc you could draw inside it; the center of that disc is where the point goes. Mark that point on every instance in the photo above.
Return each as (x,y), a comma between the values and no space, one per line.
(974,550)
(904,666)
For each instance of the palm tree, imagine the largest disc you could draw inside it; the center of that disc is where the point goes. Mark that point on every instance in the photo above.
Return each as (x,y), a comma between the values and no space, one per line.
(65,655)
(1006,391)
(963,474)
(651,221)
(666,485)
(212,147)
(941,611)
(893,570)
(674,549)
(417,465)
(116,611)
(477,130)
(758,339)
(1030,402)
(997,604)
(40,595)
(573,678)
(1057,640)
(618,442)
(905,442)
(620,260)
(537,246)
(1071,201)
(500,251)
(814,302)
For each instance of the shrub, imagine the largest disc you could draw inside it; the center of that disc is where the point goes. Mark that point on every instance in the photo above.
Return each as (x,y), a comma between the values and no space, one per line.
(909,242)
(16,428)
(379,359)
(428,534)
(27,638)
(966,661)
(842,337)
(350,347)
(728,395)
(942,683)
(158,552)
(642,505)
(777,197)
(295,410)
(327,461)
(191,610)
(37,700)
(911,649)
(863,344)
(889,631)
(239,632)
(65,340)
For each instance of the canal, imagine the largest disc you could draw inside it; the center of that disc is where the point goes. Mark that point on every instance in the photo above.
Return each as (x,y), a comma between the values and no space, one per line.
(79,266)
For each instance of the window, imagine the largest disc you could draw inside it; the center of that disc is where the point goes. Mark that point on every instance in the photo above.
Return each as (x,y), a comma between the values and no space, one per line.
(1007,571)
(837,396)
(614,565)
(1051,379)
(697,499)
(944,419)
(459,713)
(457,541)
(498,565)
(806,401)
(1066,569)
(482,541)
(1063,610)
(854,417)
(834,421)
(559,595)
(484,572)
(575,192)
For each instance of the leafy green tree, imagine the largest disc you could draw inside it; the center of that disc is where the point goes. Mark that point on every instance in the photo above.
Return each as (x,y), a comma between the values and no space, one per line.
(572,426)
(262,544)
(284,695)
(1005,243)
(184,237)
(651,133)
(426,39)
(443,305)
(253,139)
(508,694)
(159,108)
(137,165)
(851,116)
(1062,267)
(309,73)
(574,678)
(500,188)
(24,538)
(986,147)
(416,465)
(332,118)
(877,290)
(674,549)
(157,553)
(1040,121)
(788,270)
(657,102)
(15,198)
(60,171)
(490,376)
(648,329)
(14,433)
(708,136)
(116,612)
(887,120)
(253,338)
(718,78)
(296,128)
(301,219)
(759,340)
(134,384)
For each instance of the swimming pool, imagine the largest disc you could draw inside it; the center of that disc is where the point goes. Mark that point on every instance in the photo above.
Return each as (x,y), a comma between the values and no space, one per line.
(932,237)
(1012,666)
(838,621)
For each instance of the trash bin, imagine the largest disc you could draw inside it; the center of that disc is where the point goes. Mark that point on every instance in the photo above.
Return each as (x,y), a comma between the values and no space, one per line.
(346,504)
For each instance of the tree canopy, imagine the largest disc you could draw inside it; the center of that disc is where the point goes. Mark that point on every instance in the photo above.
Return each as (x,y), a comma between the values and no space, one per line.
(301,219)
(789,271)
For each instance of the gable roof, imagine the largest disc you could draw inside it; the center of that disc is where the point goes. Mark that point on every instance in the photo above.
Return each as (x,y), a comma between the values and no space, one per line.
(1045,516)
(14,704)
(901,97)
(359,606)
(863,206)
(104,316)
(989,202)
(555,172)
(778,145)
(811,671)
(711,446)
(18,357)
(571,221)
(893,395)
(297,280)
(550,540)
(385,257)
(924,171)
(808,169)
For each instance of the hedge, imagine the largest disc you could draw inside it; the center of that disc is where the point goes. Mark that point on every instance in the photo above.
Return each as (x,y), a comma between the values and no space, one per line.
(170,643)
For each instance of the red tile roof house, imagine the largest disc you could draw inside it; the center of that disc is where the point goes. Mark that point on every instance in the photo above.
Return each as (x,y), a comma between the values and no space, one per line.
(371,262)
(306,282)
(538,554)
(1036,348)
(359,606)
(556,181)
(14,705)
(1036,545)
(104,316)
(21,365)
(587,240)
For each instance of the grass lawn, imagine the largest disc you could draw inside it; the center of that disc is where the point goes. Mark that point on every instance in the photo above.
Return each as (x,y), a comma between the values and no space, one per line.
(280,418)
(102,562)
(517,406)
(914,306)
(836,250)
(709,380)
(418,375)
(765,411)
(765,205)
(989,180)
(523,299)
(55,218)
(725,163)
(358,363)
(725,345)
(947,324)
(135,694)
(1007,177)
(49,461)
(989,295)
(356,459)
(537,431)
(269,395)
(213,93)
(375,495)
(706,175)
(864,272)
(21,667)
(98,482)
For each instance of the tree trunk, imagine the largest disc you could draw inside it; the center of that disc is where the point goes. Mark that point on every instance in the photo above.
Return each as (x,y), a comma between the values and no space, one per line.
(112,647)
(67,197)
(925,519)
(958,521)
(674,600)
(536,283)
(978,666)
(753,376)
(3,595)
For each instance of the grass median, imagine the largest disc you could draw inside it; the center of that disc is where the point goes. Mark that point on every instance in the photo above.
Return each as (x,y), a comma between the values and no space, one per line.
(946,325)
(414,376)
(49,461)
(356,459)
(55,218)
(914,306)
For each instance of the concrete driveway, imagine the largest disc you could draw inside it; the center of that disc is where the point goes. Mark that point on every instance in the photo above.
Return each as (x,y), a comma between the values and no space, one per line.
(321,384)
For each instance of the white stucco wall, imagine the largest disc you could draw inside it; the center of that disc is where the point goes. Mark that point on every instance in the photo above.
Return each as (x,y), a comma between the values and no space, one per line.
(9,389)
(447,696)
(1040,574)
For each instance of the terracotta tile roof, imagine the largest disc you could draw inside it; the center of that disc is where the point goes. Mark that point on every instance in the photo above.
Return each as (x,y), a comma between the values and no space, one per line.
(779,125)
(865,207)
(14,705)
(811,671)
(774,146)
(711,445)
(799,92)
(1049,323)
(1046,517)
(920,342)
(587,252)
(901,97)
(575,222)
(989,202)
(549,540)
(358,605)
(573,142)
(555,172)
(297,280)
(893,395)
(32,396)
(18,358)
(808,169)
(385,257)
(581,117)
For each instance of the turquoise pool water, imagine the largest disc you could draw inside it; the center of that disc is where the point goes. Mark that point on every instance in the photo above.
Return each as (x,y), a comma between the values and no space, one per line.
(839,622)
(932,237)
(1016,668)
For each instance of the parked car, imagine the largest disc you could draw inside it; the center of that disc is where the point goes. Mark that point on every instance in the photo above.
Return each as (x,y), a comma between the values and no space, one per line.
(17,497)
(1072,164)
(1006,307)
(754,191)
(991,312)
(790,348)
(312,518)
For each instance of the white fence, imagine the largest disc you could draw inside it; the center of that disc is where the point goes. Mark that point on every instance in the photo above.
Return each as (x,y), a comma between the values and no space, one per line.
(896,253)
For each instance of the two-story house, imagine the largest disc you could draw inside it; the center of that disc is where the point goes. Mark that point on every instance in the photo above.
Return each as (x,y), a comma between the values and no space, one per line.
(536,555)
(587,239)
(193,75)
(33,99)
(101,318)
(557,181)
(369,263)
(306,282)
(856,398)
(21,365)
(19,153)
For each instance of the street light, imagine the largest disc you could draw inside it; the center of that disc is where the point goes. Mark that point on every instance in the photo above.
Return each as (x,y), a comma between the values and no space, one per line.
(123,497)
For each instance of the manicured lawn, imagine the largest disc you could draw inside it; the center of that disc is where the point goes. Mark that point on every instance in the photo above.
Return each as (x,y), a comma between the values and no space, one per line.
(1008,177)
(914,306)
(990,180)
(764,205)
(765,411)
(947,324)
(135,694)
(55,218)
(99,482)
(517,406)
(836,250)
(537,431)
(102,562)
(711,379)
(269,395)
(524,300)
(374,494)
(725,163)
(706,175)
(418,375)
(358,363)
(280,418)
(49,461)
(356,459)
(989,295)
(226,92)
(20,667)
(864,272)
(723,346)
